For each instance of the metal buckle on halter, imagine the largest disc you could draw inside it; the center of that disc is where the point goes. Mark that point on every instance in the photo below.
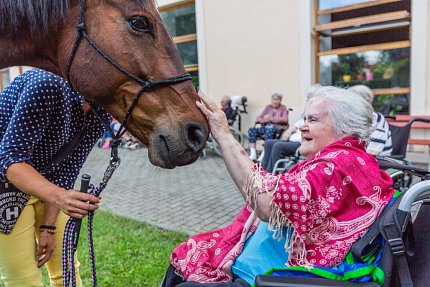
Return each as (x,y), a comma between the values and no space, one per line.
(80,27)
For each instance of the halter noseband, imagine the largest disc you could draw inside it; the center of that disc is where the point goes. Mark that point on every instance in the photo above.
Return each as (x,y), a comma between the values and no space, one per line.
(146,83)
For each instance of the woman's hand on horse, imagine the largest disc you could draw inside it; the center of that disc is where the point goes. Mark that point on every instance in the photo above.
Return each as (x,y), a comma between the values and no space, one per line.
(217,120)
(76,204)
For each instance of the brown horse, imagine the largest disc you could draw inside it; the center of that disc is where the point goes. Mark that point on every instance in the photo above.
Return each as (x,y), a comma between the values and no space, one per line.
(42,33)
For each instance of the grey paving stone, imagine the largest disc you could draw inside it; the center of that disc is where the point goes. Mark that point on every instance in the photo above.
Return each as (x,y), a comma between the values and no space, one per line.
(193,199)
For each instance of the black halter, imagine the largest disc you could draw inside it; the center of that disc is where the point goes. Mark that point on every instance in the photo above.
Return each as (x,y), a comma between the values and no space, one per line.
(146,83)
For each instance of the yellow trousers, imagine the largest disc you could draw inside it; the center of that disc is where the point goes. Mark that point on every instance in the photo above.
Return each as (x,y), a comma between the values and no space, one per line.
(17,250)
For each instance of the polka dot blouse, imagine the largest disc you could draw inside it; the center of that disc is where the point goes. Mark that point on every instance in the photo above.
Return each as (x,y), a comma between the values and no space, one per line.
(39,114)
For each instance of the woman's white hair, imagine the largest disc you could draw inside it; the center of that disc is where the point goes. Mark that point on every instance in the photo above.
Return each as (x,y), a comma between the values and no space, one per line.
(363,91)
(351,115)
(310,92)
(277,95)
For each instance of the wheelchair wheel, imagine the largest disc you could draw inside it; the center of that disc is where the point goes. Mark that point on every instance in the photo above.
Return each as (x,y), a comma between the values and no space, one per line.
(211,144)
(237,135)
(402,181)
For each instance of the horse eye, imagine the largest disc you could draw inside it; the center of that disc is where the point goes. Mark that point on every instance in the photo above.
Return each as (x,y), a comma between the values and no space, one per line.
(140,24)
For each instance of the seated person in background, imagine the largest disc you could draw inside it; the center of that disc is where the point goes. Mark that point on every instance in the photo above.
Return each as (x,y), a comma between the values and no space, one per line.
(128,140)
(275,149)
(273,119)
(107,137)
(228,110)
(380,140)
(131,142)
(308,217)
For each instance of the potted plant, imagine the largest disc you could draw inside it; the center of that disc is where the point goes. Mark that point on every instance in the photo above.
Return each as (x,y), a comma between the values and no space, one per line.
(360,74)
(346,69)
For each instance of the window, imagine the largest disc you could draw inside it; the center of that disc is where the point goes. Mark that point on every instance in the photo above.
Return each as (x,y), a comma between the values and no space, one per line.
(366,42)
(180,19)
(333,4)
(4,78)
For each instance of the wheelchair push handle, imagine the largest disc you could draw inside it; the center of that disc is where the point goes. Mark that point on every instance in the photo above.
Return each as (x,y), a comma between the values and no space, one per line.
(85,183)
(423,120)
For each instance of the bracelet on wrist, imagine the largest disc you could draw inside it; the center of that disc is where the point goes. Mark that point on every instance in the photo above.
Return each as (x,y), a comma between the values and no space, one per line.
(50,231)
(50,227)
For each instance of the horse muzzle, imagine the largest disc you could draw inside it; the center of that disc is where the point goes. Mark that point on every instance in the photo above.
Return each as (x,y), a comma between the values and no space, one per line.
(170,151)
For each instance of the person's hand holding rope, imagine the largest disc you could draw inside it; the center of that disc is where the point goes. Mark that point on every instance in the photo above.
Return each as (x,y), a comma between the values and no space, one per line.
(76,204)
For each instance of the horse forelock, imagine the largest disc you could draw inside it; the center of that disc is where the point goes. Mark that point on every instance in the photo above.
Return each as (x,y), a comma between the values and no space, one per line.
(31,16)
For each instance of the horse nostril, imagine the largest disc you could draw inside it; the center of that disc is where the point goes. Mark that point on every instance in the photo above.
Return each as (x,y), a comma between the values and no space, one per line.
(195,136)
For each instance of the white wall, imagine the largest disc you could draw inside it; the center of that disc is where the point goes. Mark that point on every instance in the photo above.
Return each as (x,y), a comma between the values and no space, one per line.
(252,48)
(426,97)
(420,58)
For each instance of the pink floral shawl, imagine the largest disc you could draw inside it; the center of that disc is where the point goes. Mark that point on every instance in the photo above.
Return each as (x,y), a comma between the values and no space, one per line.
(330,201)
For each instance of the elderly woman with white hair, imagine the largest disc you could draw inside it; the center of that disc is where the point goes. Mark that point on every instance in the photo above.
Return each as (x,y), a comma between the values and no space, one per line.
(307,218)
(273,119)
(380,140)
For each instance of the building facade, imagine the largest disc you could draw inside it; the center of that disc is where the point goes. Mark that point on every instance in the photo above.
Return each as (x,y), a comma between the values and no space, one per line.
(255,48)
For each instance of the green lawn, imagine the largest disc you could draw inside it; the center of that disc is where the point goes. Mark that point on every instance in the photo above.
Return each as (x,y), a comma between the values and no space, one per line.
(128,253)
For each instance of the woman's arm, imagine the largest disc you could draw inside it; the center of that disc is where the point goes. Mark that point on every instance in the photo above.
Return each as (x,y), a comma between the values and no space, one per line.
(29,181)
(235,157)
(262,117)
(46,244)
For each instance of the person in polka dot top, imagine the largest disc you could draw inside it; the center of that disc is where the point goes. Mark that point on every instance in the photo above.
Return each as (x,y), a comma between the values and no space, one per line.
(39,114)
(306,219)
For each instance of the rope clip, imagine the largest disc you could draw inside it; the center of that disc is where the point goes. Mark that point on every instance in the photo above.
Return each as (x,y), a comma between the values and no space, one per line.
(113,164)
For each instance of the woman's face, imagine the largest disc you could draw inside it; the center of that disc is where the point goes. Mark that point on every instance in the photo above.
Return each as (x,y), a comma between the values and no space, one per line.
(317,130)
(276,102)
(224,102)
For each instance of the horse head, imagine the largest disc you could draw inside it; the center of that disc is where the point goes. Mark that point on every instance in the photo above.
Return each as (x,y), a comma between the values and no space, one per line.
(132,34)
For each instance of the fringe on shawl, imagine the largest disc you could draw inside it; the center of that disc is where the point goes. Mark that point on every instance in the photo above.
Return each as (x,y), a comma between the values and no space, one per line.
(294,245)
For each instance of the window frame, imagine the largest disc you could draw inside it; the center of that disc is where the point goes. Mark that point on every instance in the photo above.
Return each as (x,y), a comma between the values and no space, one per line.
(183,38)
(352,7)
(319,30)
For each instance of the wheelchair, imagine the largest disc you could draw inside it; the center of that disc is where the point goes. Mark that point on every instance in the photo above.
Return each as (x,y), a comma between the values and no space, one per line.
(400,136)
(399,236)
(238,103)
(285,164)
(277,135)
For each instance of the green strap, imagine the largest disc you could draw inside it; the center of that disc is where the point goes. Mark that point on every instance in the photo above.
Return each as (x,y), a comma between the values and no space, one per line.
(375,272)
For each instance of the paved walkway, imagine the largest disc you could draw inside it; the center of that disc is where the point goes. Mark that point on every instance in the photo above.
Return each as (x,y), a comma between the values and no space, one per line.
(193,199)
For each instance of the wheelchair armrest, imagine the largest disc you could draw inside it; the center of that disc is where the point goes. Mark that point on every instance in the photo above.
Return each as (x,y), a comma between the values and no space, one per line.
(283,281)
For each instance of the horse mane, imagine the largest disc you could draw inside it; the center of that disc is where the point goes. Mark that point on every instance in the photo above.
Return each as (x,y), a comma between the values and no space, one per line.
(36,17)
(31,16)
